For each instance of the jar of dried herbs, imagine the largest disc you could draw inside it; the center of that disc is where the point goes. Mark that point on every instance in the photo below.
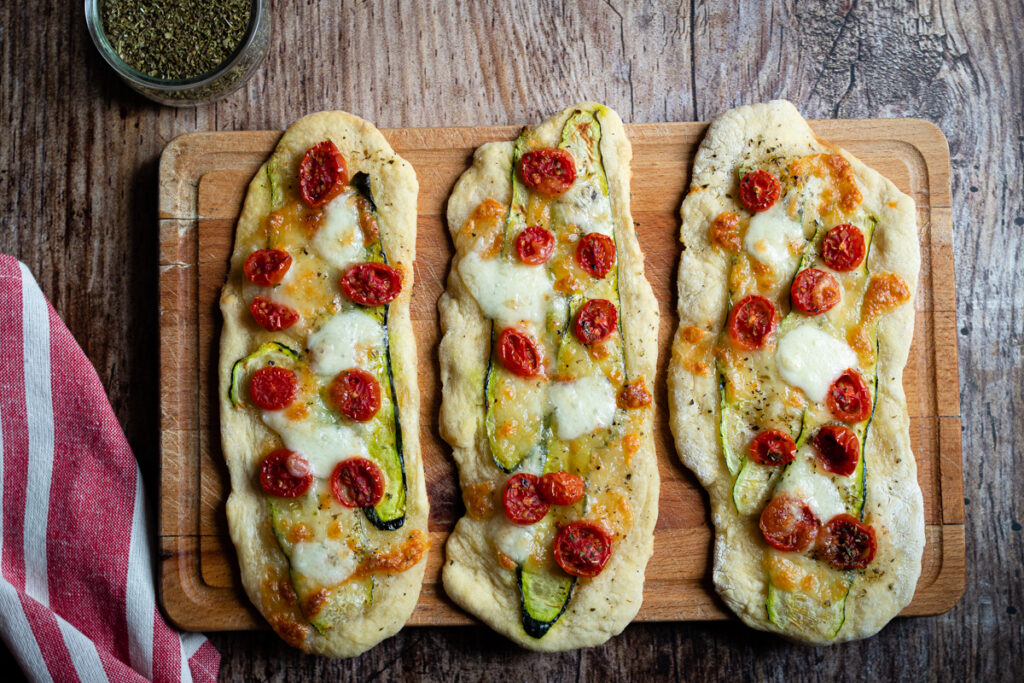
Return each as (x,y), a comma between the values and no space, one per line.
(180,52)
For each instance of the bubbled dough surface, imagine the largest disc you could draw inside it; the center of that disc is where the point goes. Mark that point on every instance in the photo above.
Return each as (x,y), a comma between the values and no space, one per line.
(893,499)
(600,607)
(244,437)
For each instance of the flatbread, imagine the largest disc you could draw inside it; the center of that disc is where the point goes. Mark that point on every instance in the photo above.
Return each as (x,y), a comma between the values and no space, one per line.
(772,134)
(245,437)
(473,575)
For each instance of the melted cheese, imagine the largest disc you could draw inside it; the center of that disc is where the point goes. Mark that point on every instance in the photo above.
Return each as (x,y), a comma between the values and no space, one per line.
(769,235)
(323,445)
(518,542)
(508,292)
(339,240)
(582,406)
(345,341)
(586,207)
(811,360)
(801,481)
(326,562)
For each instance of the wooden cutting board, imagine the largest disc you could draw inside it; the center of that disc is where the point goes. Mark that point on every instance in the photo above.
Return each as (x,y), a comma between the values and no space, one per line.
(203,177)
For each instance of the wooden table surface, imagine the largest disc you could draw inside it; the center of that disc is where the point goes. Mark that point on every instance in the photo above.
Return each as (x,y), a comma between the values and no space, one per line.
(78,166)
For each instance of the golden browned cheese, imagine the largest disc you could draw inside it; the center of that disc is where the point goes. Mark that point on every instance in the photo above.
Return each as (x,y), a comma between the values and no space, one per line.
(885,293)
(634,395)
(290,631)
(841,194)
(404,556)
(367,221)
(485,224)
(479,499)
(724,231)
(299,532)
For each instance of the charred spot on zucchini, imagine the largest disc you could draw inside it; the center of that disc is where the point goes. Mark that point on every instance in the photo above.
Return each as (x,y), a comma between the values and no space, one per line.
(361,181)
(544,596)
(268,353)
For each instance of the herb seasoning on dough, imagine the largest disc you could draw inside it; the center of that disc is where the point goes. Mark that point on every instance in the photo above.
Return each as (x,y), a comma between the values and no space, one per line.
(175,39)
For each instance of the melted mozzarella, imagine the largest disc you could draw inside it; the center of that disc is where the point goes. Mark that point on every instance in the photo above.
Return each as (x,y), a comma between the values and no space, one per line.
(339,240)
(345,341)
(769,235)
(811,360)
(814,488)
(507,292)
(326,562)
(582,406)
(323,445)
(518,542)
(586,207)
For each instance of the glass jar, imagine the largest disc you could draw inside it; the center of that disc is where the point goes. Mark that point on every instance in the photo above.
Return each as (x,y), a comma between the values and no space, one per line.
(222,80)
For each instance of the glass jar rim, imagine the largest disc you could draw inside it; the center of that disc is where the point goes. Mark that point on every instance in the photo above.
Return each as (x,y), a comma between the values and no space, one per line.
(99,38)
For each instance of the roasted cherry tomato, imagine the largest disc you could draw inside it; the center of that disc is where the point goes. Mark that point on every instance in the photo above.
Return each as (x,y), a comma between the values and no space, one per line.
(843,248)
(322,174)
(848,398)
(582,548)
(285,473)
(272,316)
(549,171)
(561,488)
(814,291)
(518,352)
(759,190)
(371,283)
(788,524)
(356,394)
(847,543)
(523,503)
(267,267)
(596,321)
(596,254)
(838,449)
(357,483)
(534,245)
(273,388)
(752,322)
(772,447)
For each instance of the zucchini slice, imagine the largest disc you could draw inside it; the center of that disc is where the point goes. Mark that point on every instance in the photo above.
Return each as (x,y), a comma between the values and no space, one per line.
(805,614)
(268,353)
(544,596)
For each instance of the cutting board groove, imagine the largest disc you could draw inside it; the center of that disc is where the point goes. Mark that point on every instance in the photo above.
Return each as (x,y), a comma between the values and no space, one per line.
(203,178)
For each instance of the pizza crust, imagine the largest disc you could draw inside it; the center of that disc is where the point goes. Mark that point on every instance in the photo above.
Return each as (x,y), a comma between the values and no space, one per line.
(894,504)
(244,437)
(603,606)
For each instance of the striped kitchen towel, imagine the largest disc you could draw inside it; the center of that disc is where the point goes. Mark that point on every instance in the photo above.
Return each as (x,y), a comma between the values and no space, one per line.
(77,598)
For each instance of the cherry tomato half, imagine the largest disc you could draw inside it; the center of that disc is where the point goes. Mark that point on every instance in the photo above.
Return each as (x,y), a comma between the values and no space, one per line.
(322,174)
(371,283)
(356,394)
(561,488)
(788,524)
(534,245)
(752,322)
(285,473)
(848,398)
(550,171)
(772,447)
(838,449)
(596,254)
(582,548)
(814,291)
(271,316)
(596,321)
(273,388)
(759,190)
(843,248)
(357,483)
(518,352)
(522,499)
(848,543)
(267,267)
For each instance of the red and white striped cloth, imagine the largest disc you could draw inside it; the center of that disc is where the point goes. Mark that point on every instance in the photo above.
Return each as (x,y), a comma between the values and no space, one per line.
(77,598)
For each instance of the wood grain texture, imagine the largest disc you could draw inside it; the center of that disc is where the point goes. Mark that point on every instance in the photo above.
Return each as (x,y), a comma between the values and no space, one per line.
(78,191)
(203,180)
